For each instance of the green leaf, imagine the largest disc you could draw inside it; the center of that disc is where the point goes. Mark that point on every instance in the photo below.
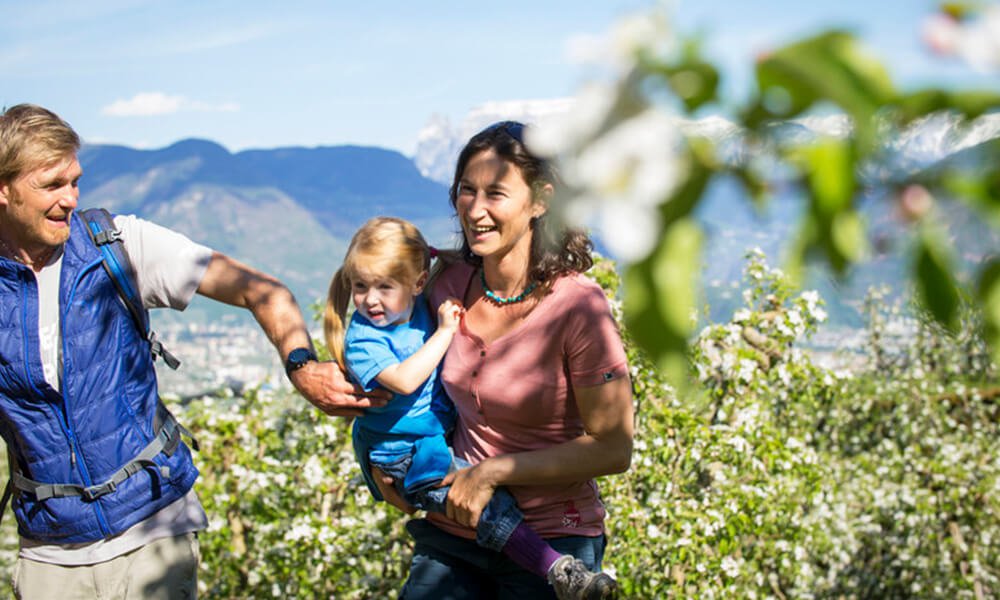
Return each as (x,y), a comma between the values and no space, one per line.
(831,66)
(660,296)
(831,226)
(805,239)
(675,268)
(847,232)
(932,272)
(692,79)
(695,83)
(969,103)
(830,168)
(978,183)
(988,292)
(689,194)
(755,187)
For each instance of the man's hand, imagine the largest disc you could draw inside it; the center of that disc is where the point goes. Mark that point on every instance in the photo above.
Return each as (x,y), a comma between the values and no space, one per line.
(323,384)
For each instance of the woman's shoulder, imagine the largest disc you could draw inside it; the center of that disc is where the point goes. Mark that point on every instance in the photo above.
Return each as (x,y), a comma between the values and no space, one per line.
(576,297)
(451,282)
(577,287)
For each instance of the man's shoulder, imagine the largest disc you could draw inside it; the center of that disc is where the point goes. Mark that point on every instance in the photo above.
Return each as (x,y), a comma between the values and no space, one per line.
(130,221)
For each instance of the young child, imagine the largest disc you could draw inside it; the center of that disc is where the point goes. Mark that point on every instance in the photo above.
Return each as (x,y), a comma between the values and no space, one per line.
(391,341)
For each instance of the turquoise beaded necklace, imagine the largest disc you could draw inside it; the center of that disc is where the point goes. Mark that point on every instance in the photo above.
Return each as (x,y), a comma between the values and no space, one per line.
(500,300)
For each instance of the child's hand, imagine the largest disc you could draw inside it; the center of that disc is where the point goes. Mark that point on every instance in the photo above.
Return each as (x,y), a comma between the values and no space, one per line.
(450,313)
(384,484)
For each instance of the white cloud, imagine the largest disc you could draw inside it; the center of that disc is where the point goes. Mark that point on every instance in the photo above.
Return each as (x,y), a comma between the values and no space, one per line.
(145,104)
(148,104)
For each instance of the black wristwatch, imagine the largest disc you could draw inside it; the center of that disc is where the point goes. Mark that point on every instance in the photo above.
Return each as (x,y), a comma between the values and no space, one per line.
(298,358)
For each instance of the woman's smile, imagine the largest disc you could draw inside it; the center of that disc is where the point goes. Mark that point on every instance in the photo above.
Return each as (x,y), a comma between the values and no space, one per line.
(496,206)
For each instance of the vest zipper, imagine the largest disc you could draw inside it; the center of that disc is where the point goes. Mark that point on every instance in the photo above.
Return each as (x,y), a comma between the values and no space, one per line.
(61,417)
(80,465)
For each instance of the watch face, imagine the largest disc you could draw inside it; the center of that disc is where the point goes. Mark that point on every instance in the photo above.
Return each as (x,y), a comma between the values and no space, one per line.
(297,358)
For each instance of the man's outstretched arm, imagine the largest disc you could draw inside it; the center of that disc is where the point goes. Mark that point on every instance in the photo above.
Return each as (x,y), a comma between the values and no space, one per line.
(273,306)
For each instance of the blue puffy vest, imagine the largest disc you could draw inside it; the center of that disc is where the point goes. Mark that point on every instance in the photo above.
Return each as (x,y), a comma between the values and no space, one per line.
(104,416)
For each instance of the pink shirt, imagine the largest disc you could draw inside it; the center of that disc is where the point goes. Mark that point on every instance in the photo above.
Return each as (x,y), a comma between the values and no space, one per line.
(516,394)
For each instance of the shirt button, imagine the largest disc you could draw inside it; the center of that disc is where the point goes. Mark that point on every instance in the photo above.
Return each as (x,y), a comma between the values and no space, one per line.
(482,353)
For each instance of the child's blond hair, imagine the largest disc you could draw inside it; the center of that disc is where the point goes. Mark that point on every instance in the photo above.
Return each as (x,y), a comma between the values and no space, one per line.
(384,246)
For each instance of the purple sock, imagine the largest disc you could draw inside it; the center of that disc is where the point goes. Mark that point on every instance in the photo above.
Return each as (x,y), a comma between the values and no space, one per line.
(530,551)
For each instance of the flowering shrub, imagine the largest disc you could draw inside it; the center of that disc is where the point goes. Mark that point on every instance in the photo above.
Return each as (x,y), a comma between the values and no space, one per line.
(777,478)
(786,479)
(289,514)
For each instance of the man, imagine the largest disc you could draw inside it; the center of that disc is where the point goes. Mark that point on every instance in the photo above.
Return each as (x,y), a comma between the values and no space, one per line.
(102,483)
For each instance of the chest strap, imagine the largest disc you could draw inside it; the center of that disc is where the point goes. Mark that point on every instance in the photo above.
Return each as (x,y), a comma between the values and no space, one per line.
(166,441)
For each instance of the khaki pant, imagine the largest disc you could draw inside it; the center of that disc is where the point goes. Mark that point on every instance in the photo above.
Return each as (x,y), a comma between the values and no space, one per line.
(166,569)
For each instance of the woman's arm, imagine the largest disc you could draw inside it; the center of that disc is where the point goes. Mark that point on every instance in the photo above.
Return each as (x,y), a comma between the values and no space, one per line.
(407,376)
(605,448)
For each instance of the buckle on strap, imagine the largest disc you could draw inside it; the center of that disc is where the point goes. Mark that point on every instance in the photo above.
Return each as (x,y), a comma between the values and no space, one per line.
(169,433)
(96,491)
(158,349)
(107,236)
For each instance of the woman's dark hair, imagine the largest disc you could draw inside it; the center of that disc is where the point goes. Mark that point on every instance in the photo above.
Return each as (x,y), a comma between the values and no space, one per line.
(553,252)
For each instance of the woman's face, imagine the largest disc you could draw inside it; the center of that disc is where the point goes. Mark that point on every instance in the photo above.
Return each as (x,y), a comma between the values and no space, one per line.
(495,206)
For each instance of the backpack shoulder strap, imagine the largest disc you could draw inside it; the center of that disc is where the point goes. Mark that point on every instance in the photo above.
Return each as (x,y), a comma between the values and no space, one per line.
(119,267)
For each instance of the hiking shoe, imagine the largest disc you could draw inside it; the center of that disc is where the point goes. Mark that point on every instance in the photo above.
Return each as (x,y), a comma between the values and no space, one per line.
(572,581)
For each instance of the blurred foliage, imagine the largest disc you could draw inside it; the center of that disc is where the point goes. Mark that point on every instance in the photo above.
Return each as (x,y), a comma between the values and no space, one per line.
(828,73)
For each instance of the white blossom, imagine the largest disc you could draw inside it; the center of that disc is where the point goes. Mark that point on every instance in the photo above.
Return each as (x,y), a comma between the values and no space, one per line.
(747,370)
(624,174)
(976,42)
(313,472)
(630,36)
(731,566)
(563,132)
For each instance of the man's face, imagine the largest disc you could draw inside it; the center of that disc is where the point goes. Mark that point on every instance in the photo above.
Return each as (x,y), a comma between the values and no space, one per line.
(38,204)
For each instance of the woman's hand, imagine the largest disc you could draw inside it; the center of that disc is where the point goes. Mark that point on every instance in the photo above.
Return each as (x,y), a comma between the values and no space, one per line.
(384,484)
(471,490)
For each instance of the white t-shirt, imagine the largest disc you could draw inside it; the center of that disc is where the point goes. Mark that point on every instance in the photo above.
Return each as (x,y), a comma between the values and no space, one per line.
(169,269)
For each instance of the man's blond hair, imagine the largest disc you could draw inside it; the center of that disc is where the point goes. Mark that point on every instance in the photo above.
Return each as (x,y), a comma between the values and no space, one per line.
(32,137)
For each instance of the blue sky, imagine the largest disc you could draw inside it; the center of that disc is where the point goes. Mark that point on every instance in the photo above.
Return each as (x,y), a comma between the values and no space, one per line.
(256,74)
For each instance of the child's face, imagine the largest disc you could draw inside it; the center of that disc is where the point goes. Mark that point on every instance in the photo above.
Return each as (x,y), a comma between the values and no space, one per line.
(384,301)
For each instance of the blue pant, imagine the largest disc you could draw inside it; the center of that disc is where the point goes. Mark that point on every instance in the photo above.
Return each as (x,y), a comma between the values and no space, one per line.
(498,520)
(446,567)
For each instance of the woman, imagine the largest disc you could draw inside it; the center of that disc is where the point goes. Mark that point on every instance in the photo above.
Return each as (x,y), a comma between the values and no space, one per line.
(537,372)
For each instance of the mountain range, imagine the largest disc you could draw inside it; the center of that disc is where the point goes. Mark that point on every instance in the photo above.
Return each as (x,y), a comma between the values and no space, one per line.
(292,211)
(288,211)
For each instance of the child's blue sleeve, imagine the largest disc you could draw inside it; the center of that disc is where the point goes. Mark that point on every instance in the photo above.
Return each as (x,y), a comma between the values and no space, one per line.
(367,356)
